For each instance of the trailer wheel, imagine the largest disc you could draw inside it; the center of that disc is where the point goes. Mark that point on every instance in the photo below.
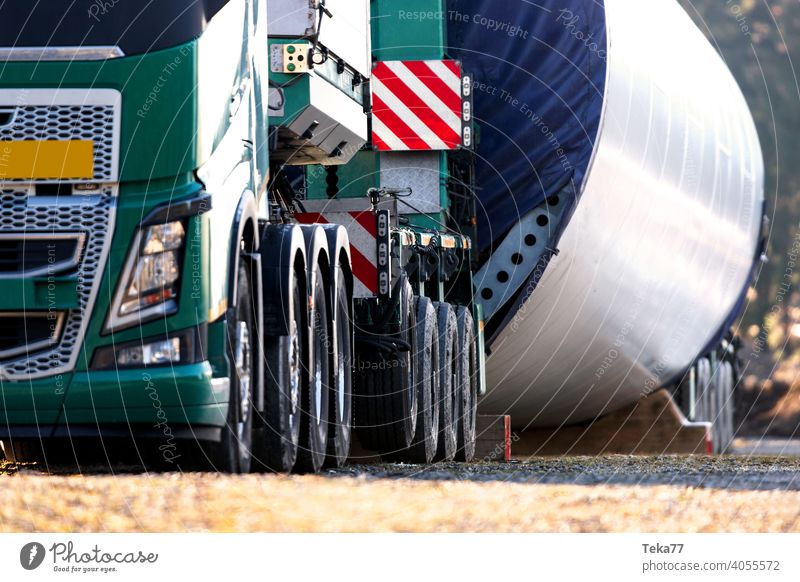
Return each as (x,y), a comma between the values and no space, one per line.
(723,412)
(709,400)
(427,365)
(466,386)
(717,388)
(703,390)
(314,417)
(714,401)
(449,392)
(283,383)
(384,402)
(341,410)
(233,453)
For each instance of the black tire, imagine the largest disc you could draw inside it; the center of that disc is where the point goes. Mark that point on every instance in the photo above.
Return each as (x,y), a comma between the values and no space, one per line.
(341,394)
(715,405)
(233,453)
(448,381)
(703,391)
(283,384)
(426,381)
(683,392)
(723,417)
(467,386)
(314,418)
(384,401)
(730,411)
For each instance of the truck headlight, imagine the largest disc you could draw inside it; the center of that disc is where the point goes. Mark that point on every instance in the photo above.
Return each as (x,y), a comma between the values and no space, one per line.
(177,348)
(151,278)
(154,282)
(150,354)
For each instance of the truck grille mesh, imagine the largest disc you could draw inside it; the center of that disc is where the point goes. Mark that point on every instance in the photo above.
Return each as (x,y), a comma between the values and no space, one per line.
(92,215)
(93,123)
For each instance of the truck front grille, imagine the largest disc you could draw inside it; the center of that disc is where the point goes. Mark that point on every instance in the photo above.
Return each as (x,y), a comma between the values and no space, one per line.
(24,333)
(90,217)
(57,228)
(66,115)
(34,253)
(93,123)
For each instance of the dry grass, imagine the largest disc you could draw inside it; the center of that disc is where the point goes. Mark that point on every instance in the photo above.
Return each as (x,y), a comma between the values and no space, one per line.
(203,502)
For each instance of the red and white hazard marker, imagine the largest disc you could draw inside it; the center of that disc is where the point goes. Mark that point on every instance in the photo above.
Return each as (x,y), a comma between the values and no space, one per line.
(417,105)
(362,228)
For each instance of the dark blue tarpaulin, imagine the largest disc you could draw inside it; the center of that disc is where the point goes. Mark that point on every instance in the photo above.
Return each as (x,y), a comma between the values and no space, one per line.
(538,70)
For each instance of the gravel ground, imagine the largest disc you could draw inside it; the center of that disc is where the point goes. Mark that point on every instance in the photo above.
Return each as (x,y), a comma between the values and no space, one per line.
(747,474)
(617,493)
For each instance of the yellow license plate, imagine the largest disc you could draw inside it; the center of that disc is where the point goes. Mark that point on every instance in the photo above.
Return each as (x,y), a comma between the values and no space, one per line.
(46,160)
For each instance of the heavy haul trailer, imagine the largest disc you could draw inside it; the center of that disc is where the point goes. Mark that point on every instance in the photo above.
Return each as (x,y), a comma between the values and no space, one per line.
(619,205)
(159,282)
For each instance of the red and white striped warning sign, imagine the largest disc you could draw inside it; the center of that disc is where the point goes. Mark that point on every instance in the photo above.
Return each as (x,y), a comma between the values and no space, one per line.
(362,228)
(417,105)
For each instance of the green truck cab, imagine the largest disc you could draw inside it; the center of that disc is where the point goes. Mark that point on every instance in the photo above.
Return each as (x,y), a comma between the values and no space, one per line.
(131,298)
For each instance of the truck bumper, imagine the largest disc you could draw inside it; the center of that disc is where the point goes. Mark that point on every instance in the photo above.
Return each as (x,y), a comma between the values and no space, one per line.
(186,401)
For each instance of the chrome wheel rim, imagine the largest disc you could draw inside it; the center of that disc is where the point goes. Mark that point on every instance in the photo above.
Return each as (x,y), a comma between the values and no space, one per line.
(319,348)
(244,368)
(408,360)
(455,387)
(340,388)
(294,377)
(435,383)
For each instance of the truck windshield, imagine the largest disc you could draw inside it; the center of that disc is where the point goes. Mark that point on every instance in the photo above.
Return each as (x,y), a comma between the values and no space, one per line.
(135,26)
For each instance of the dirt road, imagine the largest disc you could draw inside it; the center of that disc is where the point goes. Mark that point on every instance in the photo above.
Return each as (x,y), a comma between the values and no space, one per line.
(653,494)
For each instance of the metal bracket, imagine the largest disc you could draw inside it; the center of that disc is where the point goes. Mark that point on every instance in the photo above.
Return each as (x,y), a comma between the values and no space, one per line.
(383,249)
(517,256)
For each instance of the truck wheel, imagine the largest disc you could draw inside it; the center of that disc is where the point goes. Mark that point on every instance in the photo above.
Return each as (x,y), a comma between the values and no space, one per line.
(314,417)
(448,381)
(233,453)
(426,381)
(283,382)
(466,386)
(385,402)
(341,409)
